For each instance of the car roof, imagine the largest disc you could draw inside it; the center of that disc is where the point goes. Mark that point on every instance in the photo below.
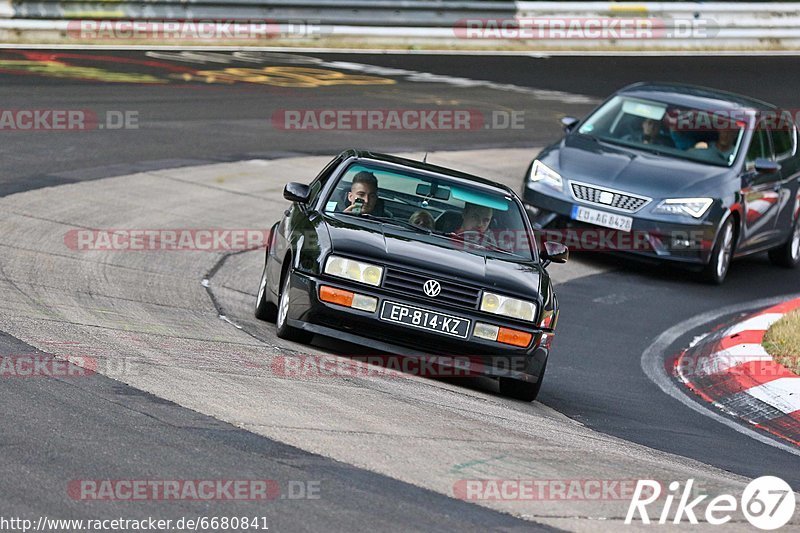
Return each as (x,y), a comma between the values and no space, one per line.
(419,165)
(695,96)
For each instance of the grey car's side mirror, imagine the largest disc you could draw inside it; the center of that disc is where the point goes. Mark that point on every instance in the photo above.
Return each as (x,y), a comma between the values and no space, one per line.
(765,166)
(296,192)
(555,252)
(569,123)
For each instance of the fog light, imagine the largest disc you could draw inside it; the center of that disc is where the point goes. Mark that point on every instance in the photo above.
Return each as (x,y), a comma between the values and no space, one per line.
(364,302)
(485,331)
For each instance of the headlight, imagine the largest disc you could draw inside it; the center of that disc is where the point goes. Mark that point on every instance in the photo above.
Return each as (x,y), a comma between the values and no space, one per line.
(510,307)
(354,270)
(541,172)
(694,207)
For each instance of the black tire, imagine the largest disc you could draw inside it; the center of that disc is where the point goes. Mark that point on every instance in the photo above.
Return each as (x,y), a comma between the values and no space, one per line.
(521,390)
(721,255)
(788,254)
(265,310)
(284,330)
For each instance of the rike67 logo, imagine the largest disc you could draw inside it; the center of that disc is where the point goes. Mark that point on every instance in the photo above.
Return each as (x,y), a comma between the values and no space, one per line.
(767,502)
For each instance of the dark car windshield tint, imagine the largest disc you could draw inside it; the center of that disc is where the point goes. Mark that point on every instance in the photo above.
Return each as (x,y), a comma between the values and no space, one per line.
(445,212)
(681,132)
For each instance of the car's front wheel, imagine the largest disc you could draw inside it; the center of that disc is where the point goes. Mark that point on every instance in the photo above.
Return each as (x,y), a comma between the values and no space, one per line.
(788,254)
(521,390)
(265,310)
(284,330)
(721,255)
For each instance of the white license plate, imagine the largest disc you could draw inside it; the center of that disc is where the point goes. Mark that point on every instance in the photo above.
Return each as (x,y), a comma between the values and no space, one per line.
(601,218)
(416,317)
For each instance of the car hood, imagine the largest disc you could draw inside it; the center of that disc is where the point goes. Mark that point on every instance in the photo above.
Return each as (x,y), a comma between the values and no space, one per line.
(583,159)
(386,244)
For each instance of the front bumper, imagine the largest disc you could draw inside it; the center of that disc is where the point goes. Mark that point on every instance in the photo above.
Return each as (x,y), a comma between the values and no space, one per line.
(651,237)
(309,313)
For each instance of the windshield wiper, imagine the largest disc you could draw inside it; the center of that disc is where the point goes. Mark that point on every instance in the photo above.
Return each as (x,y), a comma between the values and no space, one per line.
(389,220)
(484,246)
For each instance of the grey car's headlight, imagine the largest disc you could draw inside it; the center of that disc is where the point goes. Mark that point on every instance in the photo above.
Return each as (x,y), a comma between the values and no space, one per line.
(545,174)
(354,270)
(694,207)
(510,307)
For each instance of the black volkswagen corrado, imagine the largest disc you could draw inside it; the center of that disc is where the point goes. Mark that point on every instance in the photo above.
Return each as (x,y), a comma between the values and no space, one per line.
(700,175)
(417,260)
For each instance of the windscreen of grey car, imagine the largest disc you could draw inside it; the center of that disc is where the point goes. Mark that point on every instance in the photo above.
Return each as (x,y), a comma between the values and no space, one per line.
(699,135)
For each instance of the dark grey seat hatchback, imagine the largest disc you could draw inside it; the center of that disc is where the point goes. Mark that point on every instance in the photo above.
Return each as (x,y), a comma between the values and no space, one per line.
(698,176)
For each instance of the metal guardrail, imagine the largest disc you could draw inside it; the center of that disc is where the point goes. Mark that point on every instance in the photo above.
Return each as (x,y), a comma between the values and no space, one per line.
(724,24)
(416,13)
(717,23)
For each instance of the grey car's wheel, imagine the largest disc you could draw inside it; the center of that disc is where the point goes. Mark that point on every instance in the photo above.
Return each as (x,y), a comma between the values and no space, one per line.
(284,330)
(721,255)
(521,390)
(265,310)
(788,254)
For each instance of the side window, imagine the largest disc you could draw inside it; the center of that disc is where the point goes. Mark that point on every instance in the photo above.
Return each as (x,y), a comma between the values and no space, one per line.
(322,177)
(784,140)
(759,147)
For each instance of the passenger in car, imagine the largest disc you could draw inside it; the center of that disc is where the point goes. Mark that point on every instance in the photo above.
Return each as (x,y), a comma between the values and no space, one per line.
(721,150)
(422,219)
(475,218)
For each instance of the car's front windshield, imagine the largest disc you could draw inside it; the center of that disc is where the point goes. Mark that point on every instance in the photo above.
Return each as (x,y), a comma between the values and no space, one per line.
(475,218)
(699,135)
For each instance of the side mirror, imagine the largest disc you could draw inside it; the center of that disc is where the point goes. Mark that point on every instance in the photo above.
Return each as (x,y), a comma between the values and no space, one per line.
(765,166)
(296,192)
(569,123)
(555,252)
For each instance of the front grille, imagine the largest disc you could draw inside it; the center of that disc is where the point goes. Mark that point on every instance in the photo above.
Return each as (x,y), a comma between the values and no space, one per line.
(618,200)
(410,283)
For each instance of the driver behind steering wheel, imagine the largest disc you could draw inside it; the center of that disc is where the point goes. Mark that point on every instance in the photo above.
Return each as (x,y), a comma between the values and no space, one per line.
(475,218)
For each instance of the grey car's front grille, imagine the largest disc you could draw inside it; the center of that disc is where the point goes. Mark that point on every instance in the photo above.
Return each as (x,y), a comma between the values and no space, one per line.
(411,283)
(609,198)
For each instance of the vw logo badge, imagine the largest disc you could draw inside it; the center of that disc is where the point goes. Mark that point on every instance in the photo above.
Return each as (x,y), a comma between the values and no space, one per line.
(432,288)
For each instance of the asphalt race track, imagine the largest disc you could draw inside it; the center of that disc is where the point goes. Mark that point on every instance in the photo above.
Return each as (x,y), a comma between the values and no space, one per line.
(205,127)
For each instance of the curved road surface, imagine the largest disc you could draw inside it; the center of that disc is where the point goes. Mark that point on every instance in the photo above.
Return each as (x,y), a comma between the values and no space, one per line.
(612,312)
